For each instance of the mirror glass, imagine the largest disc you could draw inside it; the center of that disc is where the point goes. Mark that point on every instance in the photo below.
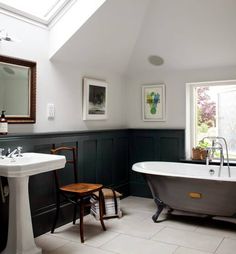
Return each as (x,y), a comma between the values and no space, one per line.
(17,89)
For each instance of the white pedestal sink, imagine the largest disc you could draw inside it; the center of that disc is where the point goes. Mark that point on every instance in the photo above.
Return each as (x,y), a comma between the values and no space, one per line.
(20,233)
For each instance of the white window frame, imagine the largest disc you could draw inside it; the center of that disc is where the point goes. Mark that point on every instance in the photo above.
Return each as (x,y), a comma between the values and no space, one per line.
(58,9)
(190,132)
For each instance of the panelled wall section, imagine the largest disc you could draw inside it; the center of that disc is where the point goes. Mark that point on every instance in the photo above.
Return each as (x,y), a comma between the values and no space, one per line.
(103,157)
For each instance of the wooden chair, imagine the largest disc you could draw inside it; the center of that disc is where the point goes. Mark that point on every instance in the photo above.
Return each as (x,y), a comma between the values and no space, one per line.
(76,193)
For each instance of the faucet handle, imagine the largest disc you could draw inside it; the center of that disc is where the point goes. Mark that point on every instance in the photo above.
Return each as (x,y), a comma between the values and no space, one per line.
(19,150)
(8,151)
(1,155)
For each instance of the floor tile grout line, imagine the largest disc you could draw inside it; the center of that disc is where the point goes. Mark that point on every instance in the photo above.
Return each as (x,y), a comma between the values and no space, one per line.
(184,246)
(65,238)
(179,246)
(197,227)
(56,236)
(190,231)
(150,238)
(56,247)
(130,234)
(89,246)
(171,244)
(219,245)
(78,242)
(215,235)
(158,232)
(179,228)
(100,247)
(135,236)
(229,237)
(154,241)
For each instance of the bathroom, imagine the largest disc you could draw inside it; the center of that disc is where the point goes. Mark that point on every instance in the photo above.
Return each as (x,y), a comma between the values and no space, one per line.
(196,42)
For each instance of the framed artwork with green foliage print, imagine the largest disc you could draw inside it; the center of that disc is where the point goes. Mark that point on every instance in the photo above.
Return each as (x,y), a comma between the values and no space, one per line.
(153,102)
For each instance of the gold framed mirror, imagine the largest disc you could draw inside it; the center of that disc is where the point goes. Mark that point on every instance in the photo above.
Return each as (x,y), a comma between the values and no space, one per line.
(18,89)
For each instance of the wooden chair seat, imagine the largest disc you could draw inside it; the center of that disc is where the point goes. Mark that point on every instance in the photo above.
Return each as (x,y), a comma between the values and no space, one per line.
(82,189)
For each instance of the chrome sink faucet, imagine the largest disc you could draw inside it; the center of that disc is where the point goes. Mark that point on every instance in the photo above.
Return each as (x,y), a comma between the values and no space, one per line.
(1,155)
(16,151)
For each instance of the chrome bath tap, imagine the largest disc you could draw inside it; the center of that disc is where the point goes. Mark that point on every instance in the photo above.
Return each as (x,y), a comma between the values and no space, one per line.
(210,154)
(217,145)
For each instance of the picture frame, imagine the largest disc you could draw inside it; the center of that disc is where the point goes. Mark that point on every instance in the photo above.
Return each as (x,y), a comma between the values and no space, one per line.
(94,99)
(154,102)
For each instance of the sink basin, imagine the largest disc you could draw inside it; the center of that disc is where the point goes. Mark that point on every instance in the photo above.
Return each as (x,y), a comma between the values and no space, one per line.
(30,164)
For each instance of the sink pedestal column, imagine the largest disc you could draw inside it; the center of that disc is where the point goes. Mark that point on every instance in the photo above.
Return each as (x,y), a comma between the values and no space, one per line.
(20,232)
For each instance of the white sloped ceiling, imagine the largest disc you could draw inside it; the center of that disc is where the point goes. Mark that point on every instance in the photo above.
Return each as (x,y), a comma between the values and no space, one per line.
(187,34)
(107,39)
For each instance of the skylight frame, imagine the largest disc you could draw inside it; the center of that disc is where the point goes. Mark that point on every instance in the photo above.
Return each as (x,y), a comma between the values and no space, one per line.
(58,7)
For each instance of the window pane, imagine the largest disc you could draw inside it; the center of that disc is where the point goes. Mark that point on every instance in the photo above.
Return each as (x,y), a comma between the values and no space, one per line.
(227,119)
(206,113)
(214,107)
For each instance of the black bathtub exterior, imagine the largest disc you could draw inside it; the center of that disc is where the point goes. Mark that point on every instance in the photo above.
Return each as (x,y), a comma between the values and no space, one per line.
(215,198)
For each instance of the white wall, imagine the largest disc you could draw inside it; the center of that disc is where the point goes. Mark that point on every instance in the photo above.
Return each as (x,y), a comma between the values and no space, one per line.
(59,83)
(196,41)
(175,93)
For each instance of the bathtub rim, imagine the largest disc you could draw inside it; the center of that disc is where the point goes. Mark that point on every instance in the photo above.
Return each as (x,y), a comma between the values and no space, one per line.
(137,167)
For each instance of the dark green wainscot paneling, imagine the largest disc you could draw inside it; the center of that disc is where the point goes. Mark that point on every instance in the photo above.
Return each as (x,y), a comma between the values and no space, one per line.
(102,158)
(152,145)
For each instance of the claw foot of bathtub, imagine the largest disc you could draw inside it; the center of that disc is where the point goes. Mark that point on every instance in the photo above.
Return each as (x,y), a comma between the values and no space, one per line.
(170,210)
(160,207)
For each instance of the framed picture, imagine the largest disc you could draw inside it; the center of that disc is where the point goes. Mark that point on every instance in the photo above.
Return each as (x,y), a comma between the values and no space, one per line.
(94,99)
(153,102)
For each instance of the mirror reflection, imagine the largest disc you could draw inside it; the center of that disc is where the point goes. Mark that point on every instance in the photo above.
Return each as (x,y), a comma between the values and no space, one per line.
(17,89)
(14,89)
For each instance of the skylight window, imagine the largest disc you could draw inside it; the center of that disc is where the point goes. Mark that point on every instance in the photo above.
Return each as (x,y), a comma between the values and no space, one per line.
(41,11)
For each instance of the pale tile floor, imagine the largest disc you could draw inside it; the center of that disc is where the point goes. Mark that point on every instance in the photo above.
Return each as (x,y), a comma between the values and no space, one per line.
(135,233)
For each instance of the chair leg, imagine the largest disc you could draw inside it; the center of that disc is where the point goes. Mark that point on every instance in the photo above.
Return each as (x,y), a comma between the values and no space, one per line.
(57,212)
(81,217)
(75,213)
(101,212)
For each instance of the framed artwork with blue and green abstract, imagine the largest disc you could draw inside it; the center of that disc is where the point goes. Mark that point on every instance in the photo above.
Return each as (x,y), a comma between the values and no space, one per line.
(153,97)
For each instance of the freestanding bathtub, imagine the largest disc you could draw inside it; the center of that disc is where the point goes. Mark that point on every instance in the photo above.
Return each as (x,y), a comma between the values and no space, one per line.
(191,188)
